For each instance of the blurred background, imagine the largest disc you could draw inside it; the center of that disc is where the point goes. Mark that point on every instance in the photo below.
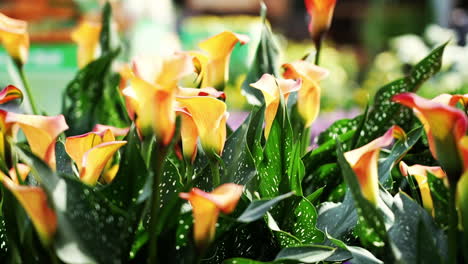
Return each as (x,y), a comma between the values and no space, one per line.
(371,42)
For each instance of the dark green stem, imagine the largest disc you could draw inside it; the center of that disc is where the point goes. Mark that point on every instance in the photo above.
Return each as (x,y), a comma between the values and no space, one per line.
(318,48)
(188,173)
(453,225)
(157,162)
(214,166)
(27,88)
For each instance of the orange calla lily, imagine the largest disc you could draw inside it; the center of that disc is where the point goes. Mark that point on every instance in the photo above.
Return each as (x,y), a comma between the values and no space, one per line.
(321,13)
(10,93)
(209,115)
(41,133)
(452,99)
(363,161)
(272,89)
(206,208)
(86,35)
(213,65)
(92,152)
(14,37)
(152,91)
(419,172)
(308,99)
(34,201)
(188,134)
(444,126)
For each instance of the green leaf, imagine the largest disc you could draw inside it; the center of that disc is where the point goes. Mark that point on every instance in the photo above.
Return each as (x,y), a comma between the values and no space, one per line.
(265,61)
(372,226)
(410,234)
(338,219)
(125,190)
(359,255)
(305,254)
(399,150)
(385,113)
(258,208)
(90,229)
(243,261)
(255,134)
(440,196)
(296,170)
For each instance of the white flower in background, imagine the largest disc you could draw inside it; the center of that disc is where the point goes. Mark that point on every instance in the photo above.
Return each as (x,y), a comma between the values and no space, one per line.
(437,35)
(409,48)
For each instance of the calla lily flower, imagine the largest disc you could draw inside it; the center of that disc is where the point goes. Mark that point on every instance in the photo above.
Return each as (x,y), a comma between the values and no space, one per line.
(152,91)
(452,99)
(86,35)
(207,91)
(34,201)
(213,65)
(444,126)
(308,99)
(41,133)
(188,134)
(321,13)
(14,37)
(10,93)
(206,208)
(92,152)
(364,161)
(419,172)
(209,115)
(272,89)
(116,131)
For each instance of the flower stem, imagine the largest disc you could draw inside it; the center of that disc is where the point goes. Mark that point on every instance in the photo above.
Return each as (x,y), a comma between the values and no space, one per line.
(157,163)
(305,140)
(318,48)
(26,86)
(214,166)
(452,227)
(188,173)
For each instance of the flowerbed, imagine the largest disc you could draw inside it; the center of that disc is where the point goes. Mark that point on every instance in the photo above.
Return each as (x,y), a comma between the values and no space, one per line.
(140,169)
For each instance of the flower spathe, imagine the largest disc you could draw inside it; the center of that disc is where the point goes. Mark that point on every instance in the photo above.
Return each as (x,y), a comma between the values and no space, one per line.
(209,115)
(308,99)
(92,152)
(41,133)
(34,201)
(321,13)
(364,161)
(188,134)
(419,172)
(213,64)
(152,90)
(14,37)
(272,90)
(86,35)
(206,208)
(10,93)
(444,126)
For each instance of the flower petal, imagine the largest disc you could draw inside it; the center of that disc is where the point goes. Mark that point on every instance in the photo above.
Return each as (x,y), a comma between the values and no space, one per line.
(207,91)
(10,93)
(95,160)
(34,202)
(209,115)
(188,134)
(41,133)
(14,37)
(23,172)
(86,35)
(364,160)
(116,131)
(321,12)
(77,146)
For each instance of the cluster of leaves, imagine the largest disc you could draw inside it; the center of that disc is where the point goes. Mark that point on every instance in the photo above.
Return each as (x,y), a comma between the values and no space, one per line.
(297,207)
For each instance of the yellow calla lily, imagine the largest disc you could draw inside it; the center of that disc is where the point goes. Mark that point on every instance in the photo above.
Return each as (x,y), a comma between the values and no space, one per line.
(321,12)
(91,152)
(272,89)
(86,35)
(207,91)
(308,98)
(116,131)
(363,161)
(34,201)
(188,134)
(14,37)
(152,91)
(41,133)
(419,172)
(209,115)
(206,208)
(213,65)
(444,126)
